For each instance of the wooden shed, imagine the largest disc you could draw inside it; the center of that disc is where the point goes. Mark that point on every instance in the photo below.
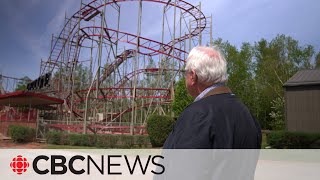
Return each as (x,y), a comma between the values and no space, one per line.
(302,101)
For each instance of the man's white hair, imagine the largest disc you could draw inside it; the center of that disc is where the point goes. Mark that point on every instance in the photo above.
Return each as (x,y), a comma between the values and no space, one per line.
(208,63)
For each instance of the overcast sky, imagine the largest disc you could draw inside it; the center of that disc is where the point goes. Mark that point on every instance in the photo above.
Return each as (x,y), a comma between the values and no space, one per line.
(27,25)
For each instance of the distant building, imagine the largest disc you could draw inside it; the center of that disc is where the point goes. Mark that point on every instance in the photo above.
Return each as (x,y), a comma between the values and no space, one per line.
(302,101)
(23,108)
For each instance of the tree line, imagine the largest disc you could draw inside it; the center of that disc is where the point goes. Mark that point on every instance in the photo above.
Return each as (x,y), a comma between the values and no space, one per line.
(257,72)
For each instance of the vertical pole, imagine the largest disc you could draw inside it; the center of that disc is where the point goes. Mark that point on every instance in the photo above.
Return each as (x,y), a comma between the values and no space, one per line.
(121,101)
(7,114)
(163,15)
(64,55)
(61,77)
(91,60)
(136,83)
(173,52)
(190,37)
(162,57)
(185,47)
(100,54)
(91,57)
(174,25)
(118,28)
(99,60)
(29,112)
(180,28)
(146,94)
(198,24)
(91,79)
(74,66)
(135,67)
(20,114)
(86,106)
(211,39)
(37,124)
(116,53)
(51,45)
(41,66)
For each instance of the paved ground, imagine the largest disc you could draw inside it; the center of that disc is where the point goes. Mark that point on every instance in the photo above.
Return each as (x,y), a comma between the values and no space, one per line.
(286,170)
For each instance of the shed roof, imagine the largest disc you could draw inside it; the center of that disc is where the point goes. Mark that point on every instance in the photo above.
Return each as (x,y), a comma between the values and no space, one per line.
(24,98)
(304,78)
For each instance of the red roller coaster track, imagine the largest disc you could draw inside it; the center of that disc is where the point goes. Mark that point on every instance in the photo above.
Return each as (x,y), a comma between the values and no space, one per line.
(152,47)
(91,9)
(149,44)
(102,128)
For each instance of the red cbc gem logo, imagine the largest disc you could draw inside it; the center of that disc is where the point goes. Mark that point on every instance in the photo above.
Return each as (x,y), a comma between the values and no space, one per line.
(19,164)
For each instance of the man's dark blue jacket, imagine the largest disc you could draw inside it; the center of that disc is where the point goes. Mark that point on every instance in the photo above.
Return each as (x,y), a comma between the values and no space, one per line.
(219,120)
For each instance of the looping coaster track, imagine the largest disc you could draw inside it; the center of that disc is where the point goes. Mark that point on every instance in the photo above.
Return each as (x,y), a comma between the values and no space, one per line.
(139,80)
(91,9)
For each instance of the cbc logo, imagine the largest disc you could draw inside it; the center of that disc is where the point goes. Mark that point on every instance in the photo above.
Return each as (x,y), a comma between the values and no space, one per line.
(19,164)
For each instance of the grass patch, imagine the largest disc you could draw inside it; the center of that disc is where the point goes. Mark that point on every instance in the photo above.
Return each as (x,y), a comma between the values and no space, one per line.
(264,143)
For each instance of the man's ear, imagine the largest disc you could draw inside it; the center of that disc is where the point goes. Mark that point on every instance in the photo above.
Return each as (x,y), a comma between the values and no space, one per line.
(194,77)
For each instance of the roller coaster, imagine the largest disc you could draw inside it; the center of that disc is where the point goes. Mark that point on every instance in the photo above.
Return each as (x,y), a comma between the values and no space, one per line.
(112,80)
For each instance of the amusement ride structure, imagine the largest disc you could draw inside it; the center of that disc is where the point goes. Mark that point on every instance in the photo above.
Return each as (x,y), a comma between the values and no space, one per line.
(111,80)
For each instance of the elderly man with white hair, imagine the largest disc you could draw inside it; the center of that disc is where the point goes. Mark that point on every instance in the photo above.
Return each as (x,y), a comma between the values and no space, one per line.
(216,119)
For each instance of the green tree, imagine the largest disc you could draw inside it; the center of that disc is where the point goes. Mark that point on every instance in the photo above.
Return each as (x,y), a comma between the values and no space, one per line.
(240,71)
(276,61)
(81,77)
(317,65)
(150,79)
(159,127)
(22,84)
(181,99)
(277,114)
(256,74)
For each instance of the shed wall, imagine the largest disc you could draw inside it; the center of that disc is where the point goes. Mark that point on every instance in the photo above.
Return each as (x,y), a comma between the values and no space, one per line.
(303,108)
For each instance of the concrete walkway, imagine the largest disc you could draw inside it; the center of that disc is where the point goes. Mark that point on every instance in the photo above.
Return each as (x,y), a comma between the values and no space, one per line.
(3,137)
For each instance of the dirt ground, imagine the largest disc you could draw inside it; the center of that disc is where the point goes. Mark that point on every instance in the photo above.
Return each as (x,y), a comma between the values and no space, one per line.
(6,143)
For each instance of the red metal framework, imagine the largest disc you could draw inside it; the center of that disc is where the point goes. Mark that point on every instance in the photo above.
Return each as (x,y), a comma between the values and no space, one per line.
(153,46)
(100,128)
(90,10)
(107,87)
(163,93)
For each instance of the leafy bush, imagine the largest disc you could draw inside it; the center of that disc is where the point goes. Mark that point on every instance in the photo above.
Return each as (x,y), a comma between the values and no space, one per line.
(159,128)
(101,141)
(22,134)
(122,141)
(126,141)
(141,141)
(107,141)
(181,97)
(57,138)
(54,137)
(277,114)
(293,140)
(82,139)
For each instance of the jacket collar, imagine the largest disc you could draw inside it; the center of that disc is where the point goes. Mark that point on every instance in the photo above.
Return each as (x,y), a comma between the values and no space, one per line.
(218,90)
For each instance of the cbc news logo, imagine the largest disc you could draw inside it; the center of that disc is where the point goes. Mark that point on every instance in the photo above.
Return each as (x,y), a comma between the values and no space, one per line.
(19,164)
(60,165)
